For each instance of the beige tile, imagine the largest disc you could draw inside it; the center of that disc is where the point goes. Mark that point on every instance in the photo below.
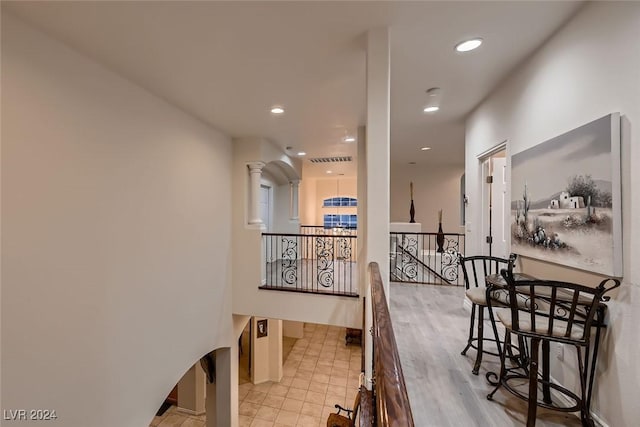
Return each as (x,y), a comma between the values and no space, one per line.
(318,387)
(296,394)
(192,422)
(292,405)
(273,401)
(327,357)
(311,408)
(245,421)
(295,358)
(307,421)
(315,397)
(286,380)
(263,387)
(255,397)
(246,387)
(155,421)
(278,390)
(242,393)
(302,382)
(325,362)
(337,390)
(341,381)
(267,413)
(339,372)
(312,352)
(344,364)
(248,409)
(320,378)
(287,418)
(342,356)
(172,420)
(307,364)
(333,399)
(290,372)
(321,369)
(257,422)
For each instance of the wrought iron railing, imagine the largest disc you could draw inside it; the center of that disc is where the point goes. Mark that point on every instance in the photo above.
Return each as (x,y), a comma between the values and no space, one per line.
(312,263)
(426,258)
(319,229)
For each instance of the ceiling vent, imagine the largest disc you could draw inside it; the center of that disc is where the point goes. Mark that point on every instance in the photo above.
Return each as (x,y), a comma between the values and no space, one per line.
(331,159)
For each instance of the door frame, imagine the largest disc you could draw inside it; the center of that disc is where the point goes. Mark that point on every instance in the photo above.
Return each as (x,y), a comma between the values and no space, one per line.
(485,194)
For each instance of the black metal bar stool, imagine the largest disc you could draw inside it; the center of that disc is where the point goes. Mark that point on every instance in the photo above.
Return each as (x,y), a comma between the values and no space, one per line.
(475,269)
(545,311)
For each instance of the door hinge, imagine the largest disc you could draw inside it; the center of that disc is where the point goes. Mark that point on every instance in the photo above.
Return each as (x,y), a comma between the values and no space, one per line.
(489,239)
(490,179)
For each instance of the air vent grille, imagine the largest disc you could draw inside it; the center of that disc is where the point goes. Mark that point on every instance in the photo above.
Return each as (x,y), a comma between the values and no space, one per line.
(331,159)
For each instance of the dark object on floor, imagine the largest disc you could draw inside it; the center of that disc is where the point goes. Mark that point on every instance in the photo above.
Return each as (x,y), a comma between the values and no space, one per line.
(163,409)
(347,420)
(353,335)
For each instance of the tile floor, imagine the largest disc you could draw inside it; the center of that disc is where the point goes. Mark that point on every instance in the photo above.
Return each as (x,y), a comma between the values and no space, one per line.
(319,372)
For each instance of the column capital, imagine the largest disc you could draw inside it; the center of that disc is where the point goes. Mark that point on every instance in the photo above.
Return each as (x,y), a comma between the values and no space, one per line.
(295,182)
(256,165)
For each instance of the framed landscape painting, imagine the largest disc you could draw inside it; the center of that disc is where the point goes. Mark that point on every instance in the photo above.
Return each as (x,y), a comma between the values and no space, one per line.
(566,199)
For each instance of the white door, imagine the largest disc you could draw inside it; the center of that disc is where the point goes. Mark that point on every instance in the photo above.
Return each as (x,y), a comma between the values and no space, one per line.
(265,206)
(495,209)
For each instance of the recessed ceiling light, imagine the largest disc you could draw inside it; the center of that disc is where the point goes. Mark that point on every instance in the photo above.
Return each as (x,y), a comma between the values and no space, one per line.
(329,171)
(425,148)
(276,109)
(468,45)
(301,153)
(349,139)
(431,109)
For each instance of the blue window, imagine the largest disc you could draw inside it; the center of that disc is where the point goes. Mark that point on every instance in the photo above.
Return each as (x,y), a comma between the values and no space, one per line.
(340,201)
(344,221)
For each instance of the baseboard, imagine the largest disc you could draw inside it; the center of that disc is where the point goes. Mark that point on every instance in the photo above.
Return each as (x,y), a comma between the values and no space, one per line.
(189,411)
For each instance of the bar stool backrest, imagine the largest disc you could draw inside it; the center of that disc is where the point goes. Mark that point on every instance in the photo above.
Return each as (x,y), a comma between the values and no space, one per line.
(476,268)
(555,310)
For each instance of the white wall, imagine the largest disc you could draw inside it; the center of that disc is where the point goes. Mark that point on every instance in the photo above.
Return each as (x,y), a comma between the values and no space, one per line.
(434,188)
(315,190)
(115,245)
(587,70)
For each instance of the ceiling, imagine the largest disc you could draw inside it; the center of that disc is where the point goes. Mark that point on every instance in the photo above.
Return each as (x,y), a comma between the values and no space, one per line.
(227,63)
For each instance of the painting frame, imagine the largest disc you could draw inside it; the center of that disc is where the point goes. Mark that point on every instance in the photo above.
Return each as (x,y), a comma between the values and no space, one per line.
(566,199)
(262,328)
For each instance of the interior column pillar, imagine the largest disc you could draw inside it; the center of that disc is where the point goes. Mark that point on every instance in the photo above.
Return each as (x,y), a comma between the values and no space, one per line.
(255,174)
(377,147)
(294,187)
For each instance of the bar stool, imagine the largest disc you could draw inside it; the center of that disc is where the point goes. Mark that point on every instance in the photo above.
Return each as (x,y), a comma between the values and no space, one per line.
(475,269)
(545,311)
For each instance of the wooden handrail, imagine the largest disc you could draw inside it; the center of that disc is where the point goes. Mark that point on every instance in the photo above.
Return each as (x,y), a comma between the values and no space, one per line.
(392,400)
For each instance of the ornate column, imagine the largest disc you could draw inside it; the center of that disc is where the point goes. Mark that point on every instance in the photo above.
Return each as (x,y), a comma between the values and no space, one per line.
(255,173)
(294,187)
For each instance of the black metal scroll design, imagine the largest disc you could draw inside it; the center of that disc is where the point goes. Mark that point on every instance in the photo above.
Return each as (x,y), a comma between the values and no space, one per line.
(289,261)
(450,261)
(409,257)
(324,252)
(344,248)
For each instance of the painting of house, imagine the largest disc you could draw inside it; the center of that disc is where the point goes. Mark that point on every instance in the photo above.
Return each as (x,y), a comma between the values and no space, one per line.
(565,201)
(566,204)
